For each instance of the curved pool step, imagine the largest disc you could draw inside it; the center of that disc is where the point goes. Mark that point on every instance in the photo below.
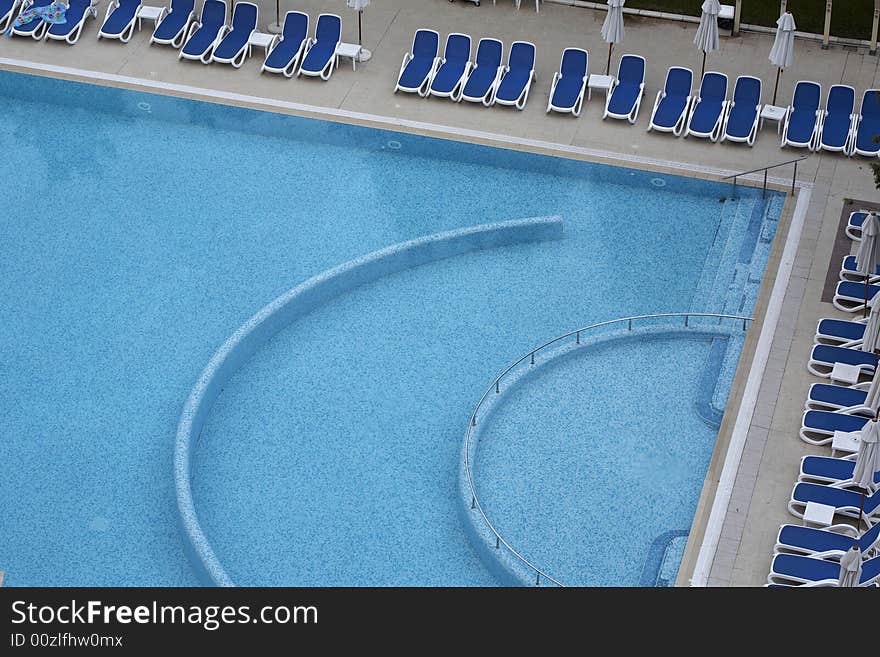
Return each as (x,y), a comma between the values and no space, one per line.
(290,306)
(508,562)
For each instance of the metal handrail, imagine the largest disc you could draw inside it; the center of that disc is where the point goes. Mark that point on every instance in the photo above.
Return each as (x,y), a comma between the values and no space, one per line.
(496,386)
(765,170)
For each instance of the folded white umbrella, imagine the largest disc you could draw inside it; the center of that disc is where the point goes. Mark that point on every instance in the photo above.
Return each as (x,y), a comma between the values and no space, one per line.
(868,456)
(867,254)
(869,251)
(872,329)
(706,38)
(873,398)
(612,28)
(850,567)
(782,52)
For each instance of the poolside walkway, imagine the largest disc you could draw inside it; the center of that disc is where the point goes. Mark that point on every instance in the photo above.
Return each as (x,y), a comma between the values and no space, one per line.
(771,457)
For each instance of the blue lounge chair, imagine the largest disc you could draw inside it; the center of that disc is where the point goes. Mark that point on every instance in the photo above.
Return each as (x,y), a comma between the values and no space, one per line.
(825,543)
(77,13)
(845,502)
(673,102)
(517,76)
(741,118)
(829,397)
(839,332)
(420,65)
(234,41)
(837,120)
(625,97)
(204,34)
(120,20)
(570,82)
(854,223)
(823,357)
(850,296)
(802,119)
(448,81)
(484,77)
(287,48)
(827,470)
(173,28)
(850,272)
(808,571)
(36,29)
(320,57)
(818,427)
(707,111)
(867,125)
(7,13)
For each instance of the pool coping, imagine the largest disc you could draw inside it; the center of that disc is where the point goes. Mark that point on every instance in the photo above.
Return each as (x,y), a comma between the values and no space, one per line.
(382,122)
(726,467)
(713,174)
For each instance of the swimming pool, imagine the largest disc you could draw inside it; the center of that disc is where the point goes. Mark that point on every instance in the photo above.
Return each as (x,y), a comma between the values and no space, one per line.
(150,228)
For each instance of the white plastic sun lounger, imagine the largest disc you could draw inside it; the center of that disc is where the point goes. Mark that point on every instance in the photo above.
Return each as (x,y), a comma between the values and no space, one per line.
(673,102)
(570,82)
(121,19)
(419,65)
(77,13)
(850,296)
(625,97)
(854,224)
(823,357)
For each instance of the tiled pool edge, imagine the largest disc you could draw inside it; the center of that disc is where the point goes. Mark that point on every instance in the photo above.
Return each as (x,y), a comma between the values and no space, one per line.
(708,560)
(389,123)
(298,301)
(503,565)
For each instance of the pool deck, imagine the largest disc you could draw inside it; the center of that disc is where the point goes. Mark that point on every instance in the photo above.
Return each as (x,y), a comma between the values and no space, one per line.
(772,451)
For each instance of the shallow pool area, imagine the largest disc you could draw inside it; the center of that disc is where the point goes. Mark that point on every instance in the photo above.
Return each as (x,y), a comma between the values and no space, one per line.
(150,228)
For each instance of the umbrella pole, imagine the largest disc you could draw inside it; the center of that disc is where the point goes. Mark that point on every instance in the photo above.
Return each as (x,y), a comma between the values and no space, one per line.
(703,67)
(275,28)
(608,65)
(861,509)
(360,37)
(776,86)
(867,288)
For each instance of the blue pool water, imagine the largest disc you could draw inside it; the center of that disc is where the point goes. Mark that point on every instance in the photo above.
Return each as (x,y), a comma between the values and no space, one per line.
(149,228)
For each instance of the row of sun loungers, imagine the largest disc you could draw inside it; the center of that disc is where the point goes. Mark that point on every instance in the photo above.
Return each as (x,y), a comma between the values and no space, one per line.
(706,113)
(206,37)
(487,80)
(837,127)
(810,556)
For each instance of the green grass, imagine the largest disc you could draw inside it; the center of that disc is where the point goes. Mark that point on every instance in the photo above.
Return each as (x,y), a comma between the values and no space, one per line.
(849,18)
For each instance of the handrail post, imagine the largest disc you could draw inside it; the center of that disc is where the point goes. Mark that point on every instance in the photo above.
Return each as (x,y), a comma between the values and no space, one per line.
(734,188)
(794,176)
(686,319)
(764,188)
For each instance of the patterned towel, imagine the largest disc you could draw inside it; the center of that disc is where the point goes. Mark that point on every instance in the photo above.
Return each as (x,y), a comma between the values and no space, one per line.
(53,13)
